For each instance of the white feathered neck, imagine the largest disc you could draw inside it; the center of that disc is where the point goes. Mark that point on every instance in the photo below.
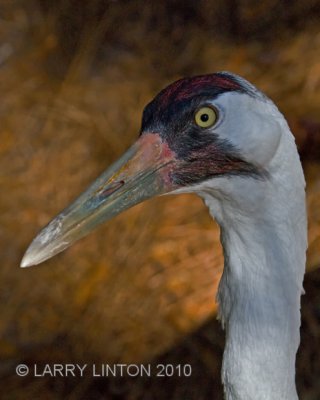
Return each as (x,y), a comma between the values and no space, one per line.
(264,238)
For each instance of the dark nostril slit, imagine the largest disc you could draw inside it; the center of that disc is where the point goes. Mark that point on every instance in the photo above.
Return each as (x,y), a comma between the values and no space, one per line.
(113,187)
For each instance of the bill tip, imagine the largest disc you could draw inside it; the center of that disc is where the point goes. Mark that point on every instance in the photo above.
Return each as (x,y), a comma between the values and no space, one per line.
(26,261)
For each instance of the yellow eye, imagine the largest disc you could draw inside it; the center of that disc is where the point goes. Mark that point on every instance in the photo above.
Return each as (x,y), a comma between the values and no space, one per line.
(205,117)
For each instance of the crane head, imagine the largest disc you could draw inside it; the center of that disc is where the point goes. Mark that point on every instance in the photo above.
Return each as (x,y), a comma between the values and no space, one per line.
(193,132)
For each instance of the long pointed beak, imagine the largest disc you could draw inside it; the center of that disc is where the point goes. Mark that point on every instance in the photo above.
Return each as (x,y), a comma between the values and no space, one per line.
(142,172)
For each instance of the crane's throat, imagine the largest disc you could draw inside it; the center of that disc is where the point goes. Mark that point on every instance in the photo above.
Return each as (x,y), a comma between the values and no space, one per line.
(259,302)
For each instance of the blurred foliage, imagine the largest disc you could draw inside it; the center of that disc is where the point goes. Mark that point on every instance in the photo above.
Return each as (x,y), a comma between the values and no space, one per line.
(238,19)
(74,78)
(167,28)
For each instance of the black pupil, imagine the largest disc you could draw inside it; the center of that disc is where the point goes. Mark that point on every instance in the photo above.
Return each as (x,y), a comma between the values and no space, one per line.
(204,117)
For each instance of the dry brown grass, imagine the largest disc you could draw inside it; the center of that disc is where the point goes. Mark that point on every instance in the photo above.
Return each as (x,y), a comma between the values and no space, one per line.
(143,281)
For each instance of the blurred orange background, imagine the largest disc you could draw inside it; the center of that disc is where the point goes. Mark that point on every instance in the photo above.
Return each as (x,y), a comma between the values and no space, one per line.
(74,78)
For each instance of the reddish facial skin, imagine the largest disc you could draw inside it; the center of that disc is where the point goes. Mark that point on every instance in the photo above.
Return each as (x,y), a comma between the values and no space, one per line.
(154,152)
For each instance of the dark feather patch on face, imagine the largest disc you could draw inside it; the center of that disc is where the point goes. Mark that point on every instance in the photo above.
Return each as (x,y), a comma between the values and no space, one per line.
(201,154)
(215,159)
